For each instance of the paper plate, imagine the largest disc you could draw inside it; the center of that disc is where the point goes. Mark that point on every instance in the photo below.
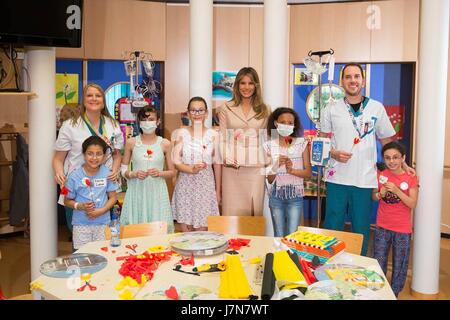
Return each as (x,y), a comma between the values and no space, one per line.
(339,290)
(355,274)
(66,266)
(200,243)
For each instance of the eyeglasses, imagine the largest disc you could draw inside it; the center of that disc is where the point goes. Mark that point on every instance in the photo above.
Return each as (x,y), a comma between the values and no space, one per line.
(95,155)
(199,111)
(395,158)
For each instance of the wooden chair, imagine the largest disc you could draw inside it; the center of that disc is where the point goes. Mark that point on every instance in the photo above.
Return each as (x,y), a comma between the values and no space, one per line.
(27,296)
(140,230)
(252,226)
(353,241)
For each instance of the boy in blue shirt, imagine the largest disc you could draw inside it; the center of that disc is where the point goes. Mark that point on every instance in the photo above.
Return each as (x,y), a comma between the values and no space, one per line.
(91,194)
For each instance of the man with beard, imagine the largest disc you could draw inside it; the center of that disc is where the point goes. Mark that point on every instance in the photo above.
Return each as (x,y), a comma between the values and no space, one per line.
(355,123)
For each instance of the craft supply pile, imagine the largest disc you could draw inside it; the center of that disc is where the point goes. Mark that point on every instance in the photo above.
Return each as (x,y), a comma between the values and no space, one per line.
(301,265)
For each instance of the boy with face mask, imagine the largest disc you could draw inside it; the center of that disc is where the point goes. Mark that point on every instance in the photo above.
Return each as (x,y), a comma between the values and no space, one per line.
(147,197)
(289,164)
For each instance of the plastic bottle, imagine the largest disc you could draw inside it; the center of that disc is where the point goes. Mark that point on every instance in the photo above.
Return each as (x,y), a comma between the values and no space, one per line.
(115,230)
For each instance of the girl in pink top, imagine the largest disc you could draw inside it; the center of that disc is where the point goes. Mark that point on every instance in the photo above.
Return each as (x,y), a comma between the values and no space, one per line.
(397,195)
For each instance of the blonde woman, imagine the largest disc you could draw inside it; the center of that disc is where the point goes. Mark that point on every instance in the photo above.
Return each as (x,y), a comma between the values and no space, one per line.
(93,120)
(241,121)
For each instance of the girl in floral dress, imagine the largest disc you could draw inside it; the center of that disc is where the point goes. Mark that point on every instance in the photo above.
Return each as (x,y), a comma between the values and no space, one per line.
(197,190)
(147,197)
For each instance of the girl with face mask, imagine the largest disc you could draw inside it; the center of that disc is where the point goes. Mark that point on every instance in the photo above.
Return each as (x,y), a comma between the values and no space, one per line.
(196,156)
(147,197)
(288,159)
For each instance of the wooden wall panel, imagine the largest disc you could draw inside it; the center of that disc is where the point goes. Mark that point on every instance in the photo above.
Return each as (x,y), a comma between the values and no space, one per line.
(115,26)
(177,58)
(339,26)
(256,39)
(398,36)
(231,37)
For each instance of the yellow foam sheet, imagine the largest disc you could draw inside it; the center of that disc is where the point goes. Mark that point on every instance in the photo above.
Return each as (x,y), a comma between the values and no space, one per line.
(233,281)
(285,269)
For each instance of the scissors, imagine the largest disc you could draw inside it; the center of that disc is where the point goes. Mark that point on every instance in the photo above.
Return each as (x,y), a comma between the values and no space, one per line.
(131,247)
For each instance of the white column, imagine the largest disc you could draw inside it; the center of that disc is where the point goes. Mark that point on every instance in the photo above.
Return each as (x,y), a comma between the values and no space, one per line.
(201,51)
(433,59)
(275,64)
(42,135)
(275,67)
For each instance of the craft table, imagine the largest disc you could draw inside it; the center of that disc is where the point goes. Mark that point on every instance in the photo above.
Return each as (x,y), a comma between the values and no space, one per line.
(105,280)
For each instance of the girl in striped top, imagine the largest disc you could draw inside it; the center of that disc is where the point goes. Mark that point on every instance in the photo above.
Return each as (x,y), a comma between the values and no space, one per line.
(289,164)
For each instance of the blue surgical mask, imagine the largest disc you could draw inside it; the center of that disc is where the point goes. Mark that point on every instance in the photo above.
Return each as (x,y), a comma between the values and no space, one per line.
(285,130)
(148,126)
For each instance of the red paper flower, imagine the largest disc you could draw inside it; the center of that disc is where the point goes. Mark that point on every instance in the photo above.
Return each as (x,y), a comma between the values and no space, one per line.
(172,293)
(356,141)
(64,191)
(149,152)
(288,140)
(238,134)
(86,182)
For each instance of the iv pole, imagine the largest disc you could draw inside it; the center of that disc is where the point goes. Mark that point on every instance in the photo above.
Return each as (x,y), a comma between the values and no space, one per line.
(319,168)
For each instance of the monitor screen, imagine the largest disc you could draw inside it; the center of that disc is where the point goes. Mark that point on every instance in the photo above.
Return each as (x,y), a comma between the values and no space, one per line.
(54,23)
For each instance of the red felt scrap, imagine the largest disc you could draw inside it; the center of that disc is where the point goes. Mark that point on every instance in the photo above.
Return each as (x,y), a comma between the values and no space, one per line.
(172,293)
(238,243)
(146,263)
(104,249)
(187,261)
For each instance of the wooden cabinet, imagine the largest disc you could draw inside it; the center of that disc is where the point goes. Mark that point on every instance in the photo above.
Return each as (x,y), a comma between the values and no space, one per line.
(8,134)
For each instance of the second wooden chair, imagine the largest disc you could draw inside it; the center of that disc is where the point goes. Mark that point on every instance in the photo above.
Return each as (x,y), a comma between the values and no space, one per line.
(353,241)
(140,230)
(252,226)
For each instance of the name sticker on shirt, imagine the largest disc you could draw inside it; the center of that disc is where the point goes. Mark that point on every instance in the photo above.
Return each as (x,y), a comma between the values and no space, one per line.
(100,182)
(404,186)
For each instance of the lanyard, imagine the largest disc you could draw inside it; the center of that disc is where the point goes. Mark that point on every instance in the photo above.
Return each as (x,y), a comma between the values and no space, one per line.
(101,132)
(361,120)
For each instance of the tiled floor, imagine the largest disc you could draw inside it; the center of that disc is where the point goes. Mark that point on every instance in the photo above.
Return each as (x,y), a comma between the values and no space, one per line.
(15,264)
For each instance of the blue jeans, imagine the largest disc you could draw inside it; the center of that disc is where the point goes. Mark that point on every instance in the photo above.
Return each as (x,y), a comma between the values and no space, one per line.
(286,214)
(400,242)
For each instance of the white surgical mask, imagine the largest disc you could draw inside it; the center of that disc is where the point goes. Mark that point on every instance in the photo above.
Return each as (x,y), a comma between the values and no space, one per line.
(148,126)
(285,130)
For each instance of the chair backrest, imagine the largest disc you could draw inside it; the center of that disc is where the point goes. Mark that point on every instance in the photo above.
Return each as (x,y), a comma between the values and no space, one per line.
(353,241)
(140,230)
(252,226)
(27,296)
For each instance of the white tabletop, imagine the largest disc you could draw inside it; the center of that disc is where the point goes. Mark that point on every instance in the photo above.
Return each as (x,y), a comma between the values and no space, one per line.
(106,280)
